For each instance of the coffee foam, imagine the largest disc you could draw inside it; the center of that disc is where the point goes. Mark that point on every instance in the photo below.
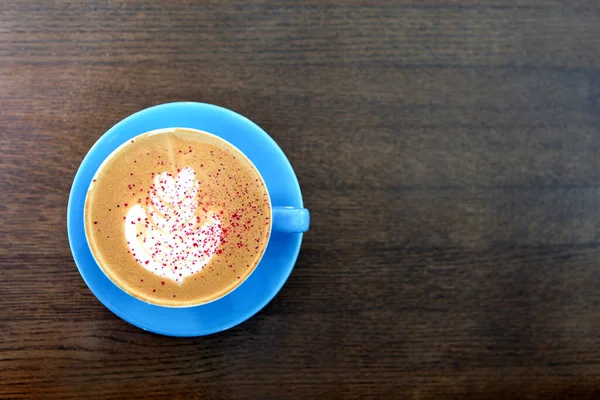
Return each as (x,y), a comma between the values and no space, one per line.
(203,211)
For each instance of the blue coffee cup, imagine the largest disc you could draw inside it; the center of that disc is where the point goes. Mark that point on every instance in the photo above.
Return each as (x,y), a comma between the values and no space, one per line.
(290,220)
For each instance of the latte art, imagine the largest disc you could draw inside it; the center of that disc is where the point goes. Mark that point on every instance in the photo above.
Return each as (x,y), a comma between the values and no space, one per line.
(167,238)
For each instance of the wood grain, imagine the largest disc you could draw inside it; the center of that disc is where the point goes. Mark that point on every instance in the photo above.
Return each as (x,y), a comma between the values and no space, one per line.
(449,151)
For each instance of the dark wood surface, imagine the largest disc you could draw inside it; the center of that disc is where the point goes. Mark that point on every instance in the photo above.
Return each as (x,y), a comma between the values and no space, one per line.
(449,151)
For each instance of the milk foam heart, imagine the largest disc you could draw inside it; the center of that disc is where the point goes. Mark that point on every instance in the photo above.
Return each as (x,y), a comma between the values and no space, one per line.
(168,238)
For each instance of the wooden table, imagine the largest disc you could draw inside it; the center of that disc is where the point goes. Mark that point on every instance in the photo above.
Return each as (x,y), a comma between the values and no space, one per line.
(449,151)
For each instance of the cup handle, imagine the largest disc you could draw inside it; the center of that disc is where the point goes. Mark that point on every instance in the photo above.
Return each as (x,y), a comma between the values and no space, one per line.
(290,219)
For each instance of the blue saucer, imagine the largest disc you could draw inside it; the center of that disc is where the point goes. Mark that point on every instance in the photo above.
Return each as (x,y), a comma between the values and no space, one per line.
(268,277)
